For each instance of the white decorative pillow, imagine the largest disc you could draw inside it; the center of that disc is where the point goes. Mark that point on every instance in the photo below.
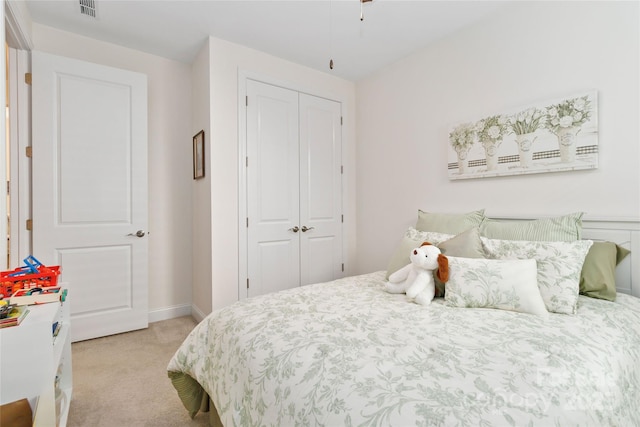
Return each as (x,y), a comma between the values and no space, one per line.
(559,265)
(489,283)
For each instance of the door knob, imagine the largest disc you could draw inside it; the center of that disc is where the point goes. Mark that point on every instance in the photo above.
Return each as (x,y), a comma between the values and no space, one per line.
(304,228)
(139,233)
(295,229)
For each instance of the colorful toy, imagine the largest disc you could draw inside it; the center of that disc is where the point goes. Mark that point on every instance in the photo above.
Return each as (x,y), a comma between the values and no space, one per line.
(32,275)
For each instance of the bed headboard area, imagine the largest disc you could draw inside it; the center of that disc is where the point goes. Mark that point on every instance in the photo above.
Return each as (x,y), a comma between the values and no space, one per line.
(627,235)
(624,232)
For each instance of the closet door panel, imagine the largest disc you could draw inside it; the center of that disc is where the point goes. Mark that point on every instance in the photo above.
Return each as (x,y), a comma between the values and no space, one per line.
(272,188)
(320,259)
(269,270)
(320,189)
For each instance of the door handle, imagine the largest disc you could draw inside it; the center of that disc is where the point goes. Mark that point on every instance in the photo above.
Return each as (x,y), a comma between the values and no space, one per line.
(305,229)
(294,229)
(139,233)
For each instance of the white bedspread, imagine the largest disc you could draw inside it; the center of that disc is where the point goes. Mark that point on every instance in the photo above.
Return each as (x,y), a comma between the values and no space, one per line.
(346,353)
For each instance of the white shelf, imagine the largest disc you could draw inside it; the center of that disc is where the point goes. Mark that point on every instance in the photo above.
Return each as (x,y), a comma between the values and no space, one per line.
(30,359)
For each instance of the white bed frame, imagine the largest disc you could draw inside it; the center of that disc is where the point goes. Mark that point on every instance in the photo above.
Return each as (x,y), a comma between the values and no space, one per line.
(626,233)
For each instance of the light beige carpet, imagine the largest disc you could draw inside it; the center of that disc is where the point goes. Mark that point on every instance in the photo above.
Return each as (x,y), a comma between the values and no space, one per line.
(121,380)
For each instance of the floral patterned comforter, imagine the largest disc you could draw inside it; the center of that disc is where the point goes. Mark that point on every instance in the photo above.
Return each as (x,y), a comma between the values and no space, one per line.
(346,353)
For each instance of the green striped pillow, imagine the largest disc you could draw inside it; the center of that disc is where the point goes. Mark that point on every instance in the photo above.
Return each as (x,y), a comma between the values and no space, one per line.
(567,228)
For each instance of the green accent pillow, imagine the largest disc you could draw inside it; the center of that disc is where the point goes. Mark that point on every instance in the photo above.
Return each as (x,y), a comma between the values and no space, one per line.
(598,276)
(449,223)
(567,228)
(464,245)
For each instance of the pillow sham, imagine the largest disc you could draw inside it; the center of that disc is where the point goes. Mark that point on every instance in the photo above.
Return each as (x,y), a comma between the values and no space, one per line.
(467,244)
(598,276)
(559,266)
(500,284)
(567,228)
(449,223)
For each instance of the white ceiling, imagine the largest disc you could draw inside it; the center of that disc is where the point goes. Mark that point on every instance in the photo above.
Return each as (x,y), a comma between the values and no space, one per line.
(308,32)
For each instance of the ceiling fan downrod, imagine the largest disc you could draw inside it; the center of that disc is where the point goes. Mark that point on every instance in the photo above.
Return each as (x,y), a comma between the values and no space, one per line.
(362,2)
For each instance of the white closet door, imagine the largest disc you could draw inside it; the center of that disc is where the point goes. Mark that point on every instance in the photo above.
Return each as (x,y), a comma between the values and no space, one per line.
(320,190)
(273,249)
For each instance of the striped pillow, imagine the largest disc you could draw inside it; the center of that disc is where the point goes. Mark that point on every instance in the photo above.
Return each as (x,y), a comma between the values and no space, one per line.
(567,228)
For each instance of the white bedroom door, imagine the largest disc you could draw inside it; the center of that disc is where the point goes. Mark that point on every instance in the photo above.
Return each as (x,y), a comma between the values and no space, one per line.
(90,189)
(294,189)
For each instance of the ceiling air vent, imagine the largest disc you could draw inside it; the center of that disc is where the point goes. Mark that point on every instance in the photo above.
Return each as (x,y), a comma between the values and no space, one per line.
(88,8)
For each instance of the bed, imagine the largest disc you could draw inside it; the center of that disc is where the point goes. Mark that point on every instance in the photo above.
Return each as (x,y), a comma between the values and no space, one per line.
(348,353)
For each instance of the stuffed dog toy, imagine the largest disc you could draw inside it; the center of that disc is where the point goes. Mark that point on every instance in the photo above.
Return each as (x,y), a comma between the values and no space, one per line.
(416,279)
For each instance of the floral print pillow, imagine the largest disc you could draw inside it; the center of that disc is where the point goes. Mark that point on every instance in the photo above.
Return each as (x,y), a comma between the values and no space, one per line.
(490,283)
(559,265)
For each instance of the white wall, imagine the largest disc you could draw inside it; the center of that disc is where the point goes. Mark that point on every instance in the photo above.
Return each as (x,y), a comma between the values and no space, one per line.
(170,159)
(530,52)
(226,59)
(201,188)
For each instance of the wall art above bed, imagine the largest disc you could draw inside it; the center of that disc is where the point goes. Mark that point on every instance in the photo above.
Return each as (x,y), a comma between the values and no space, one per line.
(552,136)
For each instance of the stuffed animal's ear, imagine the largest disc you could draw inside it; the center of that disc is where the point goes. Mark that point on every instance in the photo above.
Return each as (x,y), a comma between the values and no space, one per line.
(425,244)
(443,268)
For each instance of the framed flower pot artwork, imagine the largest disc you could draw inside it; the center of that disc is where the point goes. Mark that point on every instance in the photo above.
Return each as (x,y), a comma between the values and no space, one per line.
(198,155)
(556,135)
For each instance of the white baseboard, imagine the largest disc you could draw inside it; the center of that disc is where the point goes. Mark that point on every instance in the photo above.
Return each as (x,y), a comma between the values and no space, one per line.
(169,313)
(197,314)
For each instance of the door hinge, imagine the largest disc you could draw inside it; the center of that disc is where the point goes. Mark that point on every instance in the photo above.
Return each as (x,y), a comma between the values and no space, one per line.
(340,120)
(27,78)
(28,151)
(247,283)
(247,222)
(29,224)
(341,170)
(343,267)
(342,218)
(246,100)
(247,161)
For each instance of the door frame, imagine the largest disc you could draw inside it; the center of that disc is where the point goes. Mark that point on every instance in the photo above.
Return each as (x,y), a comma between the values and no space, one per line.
(17,36)
(243,76)
(20,164)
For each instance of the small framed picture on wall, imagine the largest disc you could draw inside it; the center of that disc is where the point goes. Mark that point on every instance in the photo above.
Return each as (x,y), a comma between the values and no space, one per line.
(198,155)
